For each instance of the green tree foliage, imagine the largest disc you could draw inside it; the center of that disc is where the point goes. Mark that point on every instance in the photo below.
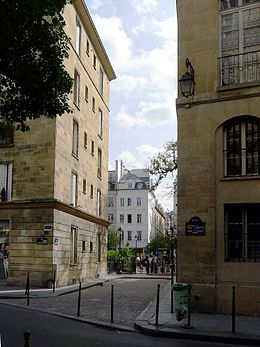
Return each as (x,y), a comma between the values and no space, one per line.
(33,46)
(113,240)
(163,163)
(159,241)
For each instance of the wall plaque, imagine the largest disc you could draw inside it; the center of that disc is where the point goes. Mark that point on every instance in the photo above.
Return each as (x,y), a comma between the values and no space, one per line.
(195,227)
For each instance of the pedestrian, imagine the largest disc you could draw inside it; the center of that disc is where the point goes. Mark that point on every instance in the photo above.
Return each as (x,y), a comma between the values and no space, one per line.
(147,265)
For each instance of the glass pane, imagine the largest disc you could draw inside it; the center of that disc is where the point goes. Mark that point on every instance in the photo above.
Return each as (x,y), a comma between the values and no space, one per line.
(226,4)
(249,2)
(234,232)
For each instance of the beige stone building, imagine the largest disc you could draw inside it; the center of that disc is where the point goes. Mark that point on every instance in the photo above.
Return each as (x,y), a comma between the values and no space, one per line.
(55,176)
(219,153)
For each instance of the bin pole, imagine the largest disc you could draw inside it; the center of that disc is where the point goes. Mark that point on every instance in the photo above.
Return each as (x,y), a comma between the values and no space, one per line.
(189,305)
(233,309)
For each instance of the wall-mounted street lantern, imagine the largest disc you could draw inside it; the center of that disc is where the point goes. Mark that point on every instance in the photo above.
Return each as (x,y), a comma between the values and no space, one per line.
(187,82)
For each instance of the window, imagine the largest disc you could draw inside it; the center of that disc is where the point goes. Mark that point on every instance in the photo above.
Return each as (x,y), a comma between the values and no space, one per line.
(94,61)
(138,201)
(242,147)
(87,47)
(91,191)
(111,217)
(78,36)
(240,41)
(99,209)
(6,135)
(84,188)
(99,163)
(6,181)
(75,138)
(98,248)
(242,234)
(100,123)
(129,218)
(76,88)
(74,189)
(85,140)
(101,81)
(129,235)
(139,218)
(122,202)
(129,201)
(139,236)
(83,246)
(110,201)
(92,147)
(90,247)
(122,218)
(73,245)
(93,104)
(86,93)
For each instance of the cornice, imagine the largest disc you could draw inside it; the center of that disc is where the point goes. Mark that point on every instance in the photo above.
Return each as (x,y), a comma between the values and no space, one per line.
(53,204)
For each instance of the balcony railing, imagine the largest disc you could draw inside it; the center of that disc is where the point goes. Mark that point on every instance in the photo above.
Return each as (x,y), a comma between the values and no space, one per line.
(239,68)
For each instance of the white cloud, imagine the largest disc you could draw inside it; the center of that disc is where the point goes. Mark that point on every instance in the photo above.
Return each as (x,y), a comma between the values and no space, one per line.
(96,4)
(167,28)
(128,83)
(148,114)
(138,158)
(144,6)
(115,39)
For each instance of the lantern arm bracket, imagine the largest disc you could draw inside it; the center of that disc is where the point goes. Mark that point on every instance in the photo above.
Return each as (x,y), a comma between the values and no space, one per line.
(190,70)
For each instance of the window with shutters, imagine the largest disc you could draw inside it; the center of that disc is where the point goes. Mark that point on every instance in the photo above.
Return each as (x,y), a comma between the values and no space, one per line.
(75,138)
(74,189)
(78,36)
(73,245)
(6,181)
(76,97)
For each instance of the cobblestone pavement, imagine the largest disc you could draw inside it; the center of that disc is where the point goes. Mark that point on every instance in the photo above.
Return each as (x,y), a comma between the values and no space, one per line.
(131,297)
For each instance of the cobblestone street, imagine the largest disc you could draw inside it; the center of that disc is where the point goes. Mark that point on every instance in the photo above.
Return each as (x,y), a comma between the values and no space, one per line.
(131,297)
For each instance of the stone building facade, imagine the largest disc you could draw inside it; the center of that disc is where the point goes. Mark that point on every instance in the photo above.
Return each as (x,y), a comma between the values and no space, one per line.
(133,210)
(219,154)
(54,219)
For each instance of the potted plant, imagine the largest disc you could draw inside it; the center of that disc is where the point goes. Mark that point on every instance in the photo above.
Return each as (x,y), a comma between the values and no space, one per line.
(3,195)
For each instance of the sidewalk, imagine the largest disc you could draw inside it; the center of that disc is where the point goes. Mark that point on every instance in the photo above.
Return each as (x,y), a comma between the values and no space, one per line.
(206,327)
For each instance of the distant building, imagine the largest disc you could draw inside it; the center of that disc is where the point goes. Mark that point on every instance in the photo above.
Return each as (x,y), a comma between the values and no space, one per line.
(219,153)
(133,209)
(55,176)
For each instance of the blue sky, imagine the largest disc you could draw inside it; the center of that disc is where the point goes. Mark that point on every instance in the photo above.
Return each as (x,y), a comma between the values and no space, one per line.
(140,37)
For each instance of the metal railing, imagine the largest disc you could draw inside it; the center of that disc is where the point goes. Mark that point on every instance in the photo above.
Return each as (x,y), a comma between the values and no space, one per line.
(239,68)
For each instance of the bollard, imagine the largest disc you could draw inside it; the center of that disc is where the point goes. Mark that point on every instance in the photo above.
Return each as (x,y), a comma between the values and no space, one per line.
(53,280)
(26,339)
(157,305)
(112,303)
(79,299)
(27,289)
(233,309)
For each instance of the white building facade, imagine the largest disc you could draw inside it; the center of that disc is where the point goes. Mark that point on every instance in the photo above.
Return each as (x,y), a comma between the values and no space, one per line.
(133,209)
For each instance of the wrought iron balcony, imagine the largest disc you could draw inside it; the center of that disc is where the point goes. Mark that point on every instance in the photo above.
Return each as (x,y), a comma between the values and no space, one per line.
(239,68)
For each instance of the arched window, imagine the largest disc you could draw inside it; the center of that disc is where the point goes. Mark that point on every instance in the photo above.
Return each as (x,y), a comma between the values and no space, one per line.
(242,147)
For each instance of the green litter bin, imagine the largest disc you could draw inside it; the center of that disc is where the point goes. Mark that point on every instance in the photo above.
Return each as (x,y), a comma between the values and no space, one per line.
(181,300)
